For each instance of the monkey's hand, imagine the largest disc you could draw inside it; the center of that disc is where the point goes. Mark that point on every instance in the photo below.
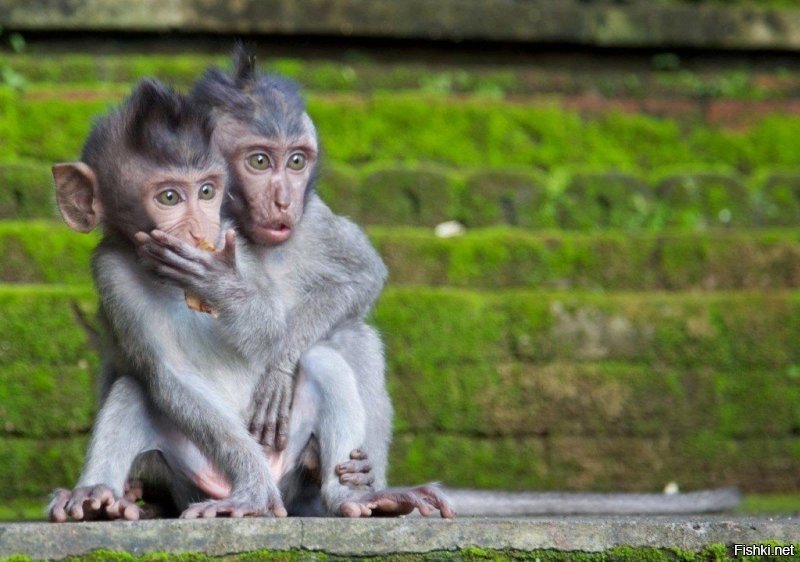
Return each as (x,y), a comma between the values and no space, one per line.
(89,503)
(394,502)
(270,406)
(213,276)
(357,472)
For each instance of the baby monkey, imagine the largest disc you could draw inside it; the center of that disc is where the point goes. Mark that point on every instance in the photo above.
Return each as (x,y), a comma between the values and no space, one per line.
(178,383)
(315,276)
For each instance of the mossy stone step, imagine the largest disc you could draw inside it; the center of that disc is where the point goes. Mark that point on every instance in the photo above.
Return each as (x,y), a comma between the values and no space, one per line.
(485,363)
(492,258)
(692,198)
(451,130)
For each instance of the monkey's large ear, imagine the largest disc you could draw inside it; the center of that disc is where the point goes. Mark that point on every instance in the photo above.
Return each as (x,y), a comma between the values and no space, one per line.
(76,195)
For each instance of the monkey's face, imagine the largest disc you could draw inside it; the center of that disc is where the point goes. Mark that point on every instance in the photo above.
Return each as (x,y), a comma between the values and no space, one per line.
(272,176)
(185,202)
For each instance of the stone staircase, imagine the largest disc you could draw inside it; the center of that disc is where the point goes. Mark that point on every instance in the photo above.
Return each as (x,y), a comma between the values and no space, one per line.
(622,311)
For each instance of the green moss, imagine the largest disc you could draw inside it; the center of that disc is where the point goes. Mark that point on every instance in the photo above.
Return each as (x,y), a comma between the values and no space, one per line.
(511,197)
(770,503)
(340,186)
(26,190)
(605,200)
(28,313)
(40,400)
(33,467)
(406,195)
(414,128)
(44,252)
(699,199)
(780,197)
(429,327)
(505,463)
(710,553)
(23,509)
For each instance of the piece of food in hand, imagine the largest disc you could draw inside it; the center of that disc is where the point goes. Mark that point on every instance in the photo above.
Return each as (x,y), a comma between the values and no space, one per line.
(193,301)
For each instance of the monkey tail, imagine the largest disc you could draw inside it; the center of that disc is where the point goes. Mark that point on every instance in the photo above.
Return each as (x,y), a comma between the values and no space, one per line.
(498,503)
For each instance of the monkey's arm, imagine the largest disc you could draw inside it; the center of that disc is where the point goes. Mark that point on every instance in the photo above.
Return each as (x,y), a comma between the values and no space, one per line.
(251,315)
(138,311)
(347,277)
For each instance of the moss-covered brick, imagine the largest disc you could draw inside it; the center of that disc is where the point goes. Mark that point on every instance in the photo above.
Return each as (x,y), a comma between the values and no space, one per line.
(755,404)
(433,328)
(596,399)
(26,190)
(705,198)
(510,197)
(340,186)
(32,467)
(727,332)
(44,252)
(413,128)
(722,261)
(44,400)
(406,196)
(758,464)
(492,258)
(780,198)
(40,325)
(462,461)
(498,257)
(54,131)
(523,399)
(605,200)
(613,463)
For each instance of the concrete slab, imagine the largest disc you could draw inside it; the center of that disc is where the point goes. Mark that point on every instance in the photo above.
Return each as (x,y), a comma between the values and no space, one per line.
(384,536)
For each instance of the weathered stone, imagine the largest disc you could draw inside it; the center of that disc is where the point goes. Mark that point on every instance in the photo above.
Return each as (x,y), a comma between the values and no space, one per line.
(388,536)
(551,21)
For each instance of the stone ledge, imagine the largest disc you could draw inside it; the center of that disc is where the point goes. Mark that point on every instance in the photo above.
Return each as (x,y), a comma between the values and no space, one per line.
(386,536)
(639,24)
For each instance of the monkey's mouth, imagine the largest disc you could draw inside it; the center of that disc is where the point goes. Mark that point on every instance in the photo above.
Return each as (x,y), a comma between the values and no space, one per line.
(274,233)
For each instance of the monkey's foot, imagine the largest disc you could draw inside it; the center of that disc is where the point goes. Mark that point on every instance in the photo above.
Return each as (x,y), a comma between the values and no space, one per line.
(394,502)
(90,503)
(234,508)
(357,472)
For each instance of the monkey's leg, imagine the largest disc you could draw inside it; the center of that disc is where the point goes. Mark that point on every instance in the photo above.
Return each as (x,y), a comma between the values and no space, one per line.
(122,430)
(340,424)
(360,346)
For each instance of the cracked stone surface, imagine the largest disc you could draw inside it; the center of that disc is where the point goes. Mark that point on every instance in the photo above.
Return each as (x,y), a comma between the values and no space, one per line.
(384,536)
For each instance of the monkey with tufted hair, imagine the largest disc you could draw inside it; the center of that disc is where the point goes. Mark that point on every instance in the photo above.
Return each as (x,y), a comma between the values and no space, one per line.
(321,276)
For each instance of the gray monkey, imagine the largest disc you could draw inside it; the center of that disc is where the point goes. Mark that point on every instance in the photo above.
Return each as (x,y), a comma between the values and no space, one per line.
(318,272)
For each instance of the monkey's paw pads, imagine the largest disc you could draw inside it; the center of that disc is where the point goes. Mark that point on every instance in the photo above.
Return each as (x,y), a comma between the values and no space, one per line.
(394,502)
(90,503)
(232,508)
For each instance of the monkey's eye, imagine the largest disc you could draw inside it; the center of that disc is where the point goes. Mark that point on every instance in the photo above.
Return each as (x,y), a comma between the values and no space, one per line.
(168,197)
(297,161)
(258,161)
(207,191)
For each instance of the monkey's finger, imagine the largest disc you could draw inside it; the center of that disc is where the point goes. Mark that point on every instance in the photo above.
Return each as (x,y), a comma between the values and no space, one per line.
(353,466)
(180,248)
(167,257)
(350,479)
(278,510)
(282,436)
(130,512)
(99,496)
(434,496)
(229,251)
(57,512)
